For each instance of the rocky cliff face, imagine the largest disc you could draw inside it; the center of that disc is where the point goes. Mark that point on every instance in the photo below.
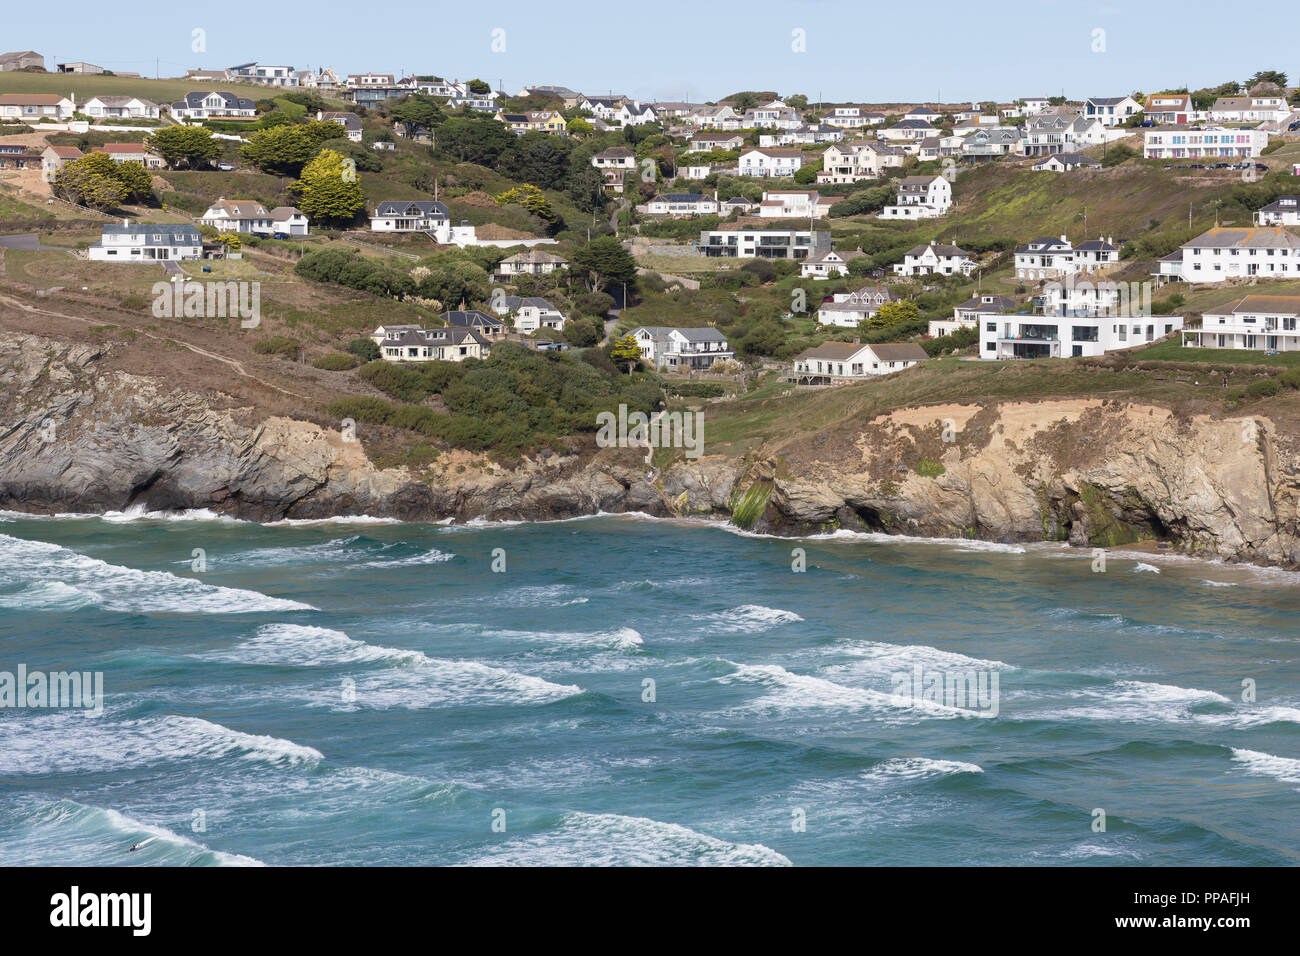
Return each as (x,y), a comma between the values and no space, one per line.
(1092,473)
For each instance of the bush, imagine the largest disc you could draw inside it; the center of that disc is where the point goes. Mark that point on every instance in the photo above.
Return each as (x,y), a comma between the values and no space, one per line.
(1263,387)
(336,362)
(278,345)
(1290,378)
(364,349)
(697,389)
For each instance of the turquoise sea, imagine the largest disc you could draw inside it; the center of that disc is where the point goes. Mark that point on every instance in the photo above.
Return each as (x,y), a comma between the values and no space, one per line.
(631,691)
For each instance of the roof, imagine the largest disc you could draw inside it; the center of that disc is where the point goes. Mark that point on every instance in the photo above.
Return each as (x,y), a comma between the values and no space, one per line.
(408,335)
(241,208)
(121,148)
(939,250)
(533,255)
(988,303)
(471,318)
(514,303)
(424,207)
(900,352)
(831,350)
(620,152)
(121,100)
(66,152)
(680,197)
(1223,237)
(844,256)
(39,99)
(776,153)
(705,334)
(349,120)
(194,100)
(1069,159)
(186,233)
(1266,304)
(281,213)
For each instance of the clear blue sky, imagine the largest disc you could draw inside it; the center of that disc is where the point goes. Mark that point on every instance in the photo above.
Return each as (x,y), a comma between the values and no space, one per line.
(704,49)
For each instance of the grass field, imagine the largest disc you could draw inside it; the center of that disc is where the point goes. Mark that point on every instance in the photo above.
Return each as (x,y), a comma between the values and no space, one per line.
(1172,351)
(83,87)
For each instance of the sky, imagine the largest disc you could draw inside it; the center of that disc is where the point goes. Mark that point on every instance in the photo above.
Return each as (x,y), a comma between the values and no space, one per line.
(829,50)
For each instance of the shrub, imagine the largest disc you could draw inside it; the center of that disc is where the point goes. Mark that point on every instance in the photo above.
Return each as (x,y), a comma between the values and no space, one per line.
(364,349)
(697,389)
(1290,378)
(1263,387)
(277,345)
(336,362)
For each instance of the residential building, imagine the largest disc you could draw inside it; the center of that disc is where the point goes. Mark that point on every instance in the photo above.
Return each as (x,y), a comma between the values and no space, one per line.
(1064,162)
(147,243)
(17,156)
(213,103)
(543,121)
(238,215)
(1235,253)
(33,107)
(923,113)
(120,107)
(485,325)
(420,215)
(131,153)
(289,221)
(405,344)
(715,117)
(704,142)
(935,259)
(682,349)
(853,117)
(531,313)
(848,309)
(737,204)
(856,160)
(920,197)
(1249,109)
(1040,336)
(349,121)
(1211,142)
(990,142)
(531,262)
(616,157)
(970,312)
(775,115)
(1055,133)
(1111,111)
(743,241)
(54,158)
(795,204)
(1262,323)
(840,363)
(1172,109)
(682,204)
(1285,211)
(827,265)
(908,133)
(1047,258)
(770,162)
(264,75)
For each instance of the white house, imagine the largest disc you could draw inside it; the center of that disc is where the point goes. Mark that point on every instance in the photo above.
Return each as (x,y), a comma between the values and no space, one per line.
(714,117)
(1172,109)
(1048,258)
(123,107)
(676,348)
(131,153)
(839,363)
(763,242)
(408,344)
(1180,142)
(907,133)
(707,142)
(1284,212)
(238,215)
(681,204)
(1250,109)
(349,121)
(147,243)
(1265,323)
(795,204)
(970,312)
(531,312)
(935,259)
(265,75)
(1042,336)
(212,103)
(1235,253)
(288,221)
(856,160)
(616,157)
(1111,110)
(847,309)
(35,106)
(1064,162)
(418,215)
(770,162)
(852,117)
(826,265)
(920,197)
(531,263)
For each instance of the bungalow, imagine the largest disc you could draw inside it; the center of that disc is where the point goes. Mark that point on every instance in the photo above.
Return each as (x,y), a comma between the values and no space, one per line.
(735,204)
(920,197)
(1264,323)
(935,259)
(1284,212)
(482,323)
(826,265)
(131,153)
(839,363)
(854,161)
(616,157)
(33,107)
(676,348)
(1236,253)
(770,162)
(775,115)
(409,216)
(147,243)
(212,103)
(795,204)
(1181,142)
(923,113)
(970,312)
(1040,336)
(125,107)
(531,313)
(1064,162)
(238,215)
(706,142)
(531,262)
(803,136)
(853,117)
(288,221)
(349,121)
(848,309)
(1111,110)
(406,344)
(1249,109)
(682,204)
(54,158)
(740,241)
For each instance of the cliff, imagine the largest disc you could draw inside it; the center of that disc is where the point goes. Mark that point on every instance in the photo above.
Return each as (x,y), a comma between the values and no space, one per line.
(78,437)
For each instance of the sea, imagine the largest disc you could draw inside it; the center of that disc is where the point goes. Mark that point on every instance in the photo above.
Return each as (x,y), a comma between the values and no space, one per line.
(621,690)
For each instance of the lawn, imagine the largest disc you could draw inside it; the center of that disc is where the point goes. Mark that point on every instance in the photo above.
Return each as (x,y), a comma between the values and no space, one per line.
(1172,351)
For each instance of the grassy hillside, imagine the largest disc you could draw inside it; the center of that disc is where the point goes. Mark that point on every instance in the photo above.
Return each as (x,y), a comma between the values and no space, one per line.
(161,91)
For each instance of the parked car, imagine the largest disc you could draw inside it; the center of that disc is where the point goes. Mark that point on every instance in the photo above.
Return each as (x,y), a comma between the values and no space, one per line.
(225,167)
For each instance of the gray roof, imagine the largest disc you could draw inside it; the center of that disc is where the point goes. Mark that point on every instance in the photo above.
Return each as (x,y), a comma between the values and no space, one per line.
(514,303)
(171,232)
(691,335)
(472,318)
(406,335)
(194,101)
(424,207)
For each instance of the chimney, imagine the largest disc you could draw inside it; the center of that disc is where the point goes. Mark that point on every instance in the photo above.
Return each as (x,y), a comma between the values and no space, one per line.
(1063,239)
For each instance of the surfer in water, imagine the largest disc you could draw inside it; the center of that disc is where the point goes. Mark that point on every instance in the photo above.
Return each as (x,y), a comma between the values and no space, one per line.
(134,847)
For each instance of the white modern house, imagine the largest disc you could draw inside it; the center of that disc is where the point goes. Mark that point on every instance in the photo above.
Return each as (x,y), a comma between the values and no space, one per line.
(1212,142)
(795,204)
(1111,110)
(1048,258)
(1285,211)
(827,265)
(840,363)
(770,162)
(848,309)
(1262,252)
(677,348)
(1041,336)
(853,117)
(920,197)
(935,259)
(531,263)
(763,242)
(238,215)
(212,103)
(419,215)
(1264,323)
(263,74)
(970,312)
(289,221)
(530,312)
(147,243)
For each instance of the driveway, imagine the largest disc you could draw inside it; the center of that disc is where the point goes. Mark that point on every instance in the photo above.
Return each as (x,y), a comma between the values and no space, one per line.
(27,240)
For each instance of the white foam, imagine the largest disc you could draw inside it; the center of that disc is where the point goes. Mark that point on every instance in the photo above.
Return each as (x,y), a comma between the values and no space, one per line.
(140,513)
(441,683)
(918,768)
(432,556)
(1146,569)
(38,564)
(1285,769)
(610,839)
(339,519)
(1140,701)
(748,619)
(306,646)
(619,638)
(1219,584)
(791,692)
(62,743)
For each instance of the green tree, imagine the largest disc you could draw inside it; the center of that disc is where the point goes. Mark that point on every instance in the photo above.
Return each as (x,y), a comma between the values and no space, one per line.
(91,181)
(418,111)
(890,314)
(364,349)
(329,190)
(474,140)
(478,87)
(281,150)
(539,158)
(531,198)
(1276,77)
(137,184)
(625,351)
(184,146)
(603,262)
(587,188)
